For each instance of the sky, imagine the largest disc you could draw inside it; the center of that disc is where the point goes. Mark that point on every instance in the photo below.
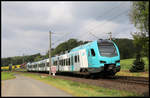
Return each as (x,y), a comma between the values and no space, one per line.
(26,25)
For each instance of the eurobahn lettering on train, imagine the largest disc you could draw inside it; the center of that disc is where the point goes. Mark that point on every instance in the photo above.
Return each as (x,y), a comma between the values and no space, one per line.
(96,58)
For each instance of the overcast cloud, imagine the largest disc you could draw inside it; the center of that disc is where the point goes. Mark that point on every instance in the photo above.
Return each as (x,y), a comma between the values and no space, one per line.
(26,25)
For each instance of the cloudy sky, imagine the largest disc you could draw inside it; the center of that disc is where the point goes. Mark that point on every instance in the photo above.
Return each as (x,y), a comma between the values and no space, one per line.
(25,25)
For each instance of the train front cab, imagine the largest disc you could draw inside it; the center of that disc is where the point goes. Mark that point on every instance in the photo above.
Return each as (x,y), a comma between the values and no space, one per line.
(103,58)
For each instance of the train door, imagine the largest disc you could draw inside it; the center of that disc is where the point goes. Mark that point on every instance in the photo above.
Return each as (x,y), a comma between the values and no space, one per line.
(89,58)
(76,62)
(72,63)
(83,59)
(58,64)
(45,65)
(69,63)
(61,64)
(92,56)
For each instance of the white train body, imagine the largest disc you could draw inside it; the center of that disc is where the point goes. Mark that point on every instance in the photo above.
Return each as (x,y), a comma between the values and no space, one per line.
(69,62)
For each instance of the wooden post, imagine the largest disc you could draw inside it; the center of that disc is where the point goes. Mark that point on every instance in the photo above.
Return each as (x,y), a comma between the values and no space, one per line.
(50,53)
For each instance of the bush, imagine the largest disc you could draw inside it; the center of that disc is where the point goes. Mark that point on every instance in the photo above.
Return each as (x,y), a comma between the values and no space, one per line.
(138,64)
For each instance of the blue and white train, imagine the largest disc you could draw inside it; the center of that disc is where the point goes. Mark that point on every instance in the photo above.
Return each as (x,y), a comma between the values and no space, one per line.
(97,57)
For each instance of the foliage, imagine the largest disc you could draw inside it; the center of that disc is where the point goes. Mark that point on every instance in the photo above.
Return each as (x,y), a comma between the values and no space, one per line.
(17,60)
(126,64)
(126,48)
(141,43)
(138,64)
(61,48)
(7,75)
(139,15)
(38,58)
(66,46)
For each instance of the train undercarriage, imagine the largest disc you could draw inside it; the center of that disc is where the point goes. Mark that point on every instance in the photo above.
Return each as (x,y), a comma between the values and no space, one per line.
(107,70)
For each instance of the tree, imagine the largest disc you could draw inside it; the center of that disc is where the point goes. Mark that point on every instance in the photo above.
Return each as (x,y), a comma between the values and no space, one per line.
(126,48)
(65,46)
(139,16)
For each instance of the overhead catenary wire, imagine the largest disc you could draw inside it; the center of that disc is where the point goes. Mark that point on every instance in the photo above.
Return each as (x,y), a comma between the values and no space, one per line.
(61,38)
(101,24)
(112,19)
(102,15)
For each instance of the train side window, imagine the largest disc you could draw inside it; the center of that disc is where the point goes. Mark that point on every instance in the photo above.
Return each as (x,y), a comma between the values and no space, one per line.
(61,62)
(53,62)
(75,58)
(47,64)
(78,59)
(89,53)
(92,52)
(56,63)
(69,61)
(64,62)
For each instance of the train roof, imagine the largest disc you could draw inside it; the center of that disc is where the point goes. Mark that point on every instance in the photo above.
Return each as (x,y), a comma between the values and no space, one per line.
(90,43)
(82,46)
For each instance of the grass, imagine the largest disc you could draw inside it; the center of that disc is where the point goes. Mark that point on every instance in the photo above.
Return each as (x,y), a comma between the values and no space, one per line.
(7,75)
(21,69)
(79,89)
(128,73)
(126,64)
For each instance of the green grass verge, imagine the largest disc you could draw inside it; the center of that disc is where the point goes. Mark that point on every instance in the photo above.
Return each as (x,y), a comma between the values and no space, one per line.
(80,89)
(136,74)
(126,64)
(21,69)
(7,75)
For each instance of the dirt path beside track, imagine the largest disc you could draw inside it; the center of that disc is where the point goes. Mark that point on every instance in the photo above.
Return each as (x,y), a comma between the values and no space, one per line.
(25,86)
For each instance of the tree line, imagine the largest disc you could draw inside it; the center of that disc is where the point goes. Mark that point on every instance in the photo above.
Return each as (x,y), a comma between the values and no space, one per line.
(126,48)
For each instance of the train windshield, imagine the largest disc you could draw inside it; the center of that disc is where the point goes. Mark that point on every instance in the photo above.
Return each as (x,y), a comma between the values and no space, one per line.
(107,50)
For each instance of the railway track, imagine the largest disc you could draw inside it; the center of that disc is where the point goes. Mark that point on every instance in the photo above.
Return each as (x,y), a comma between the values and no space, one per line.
(133,80)
(121,79)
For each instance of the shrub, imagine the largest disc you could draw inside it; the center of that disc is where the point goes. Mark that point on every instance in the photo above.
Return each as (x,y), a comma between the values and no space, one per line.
(138,64)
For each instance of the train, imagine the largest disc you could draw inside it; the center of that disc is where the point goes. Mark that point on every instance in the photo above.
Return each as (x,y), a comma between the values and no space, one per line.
(99,57)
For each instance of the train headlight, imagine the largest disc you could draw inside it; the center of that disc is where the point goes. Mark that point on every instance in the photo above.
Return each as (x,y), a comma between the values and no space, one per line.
(118,61)
(102,61)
